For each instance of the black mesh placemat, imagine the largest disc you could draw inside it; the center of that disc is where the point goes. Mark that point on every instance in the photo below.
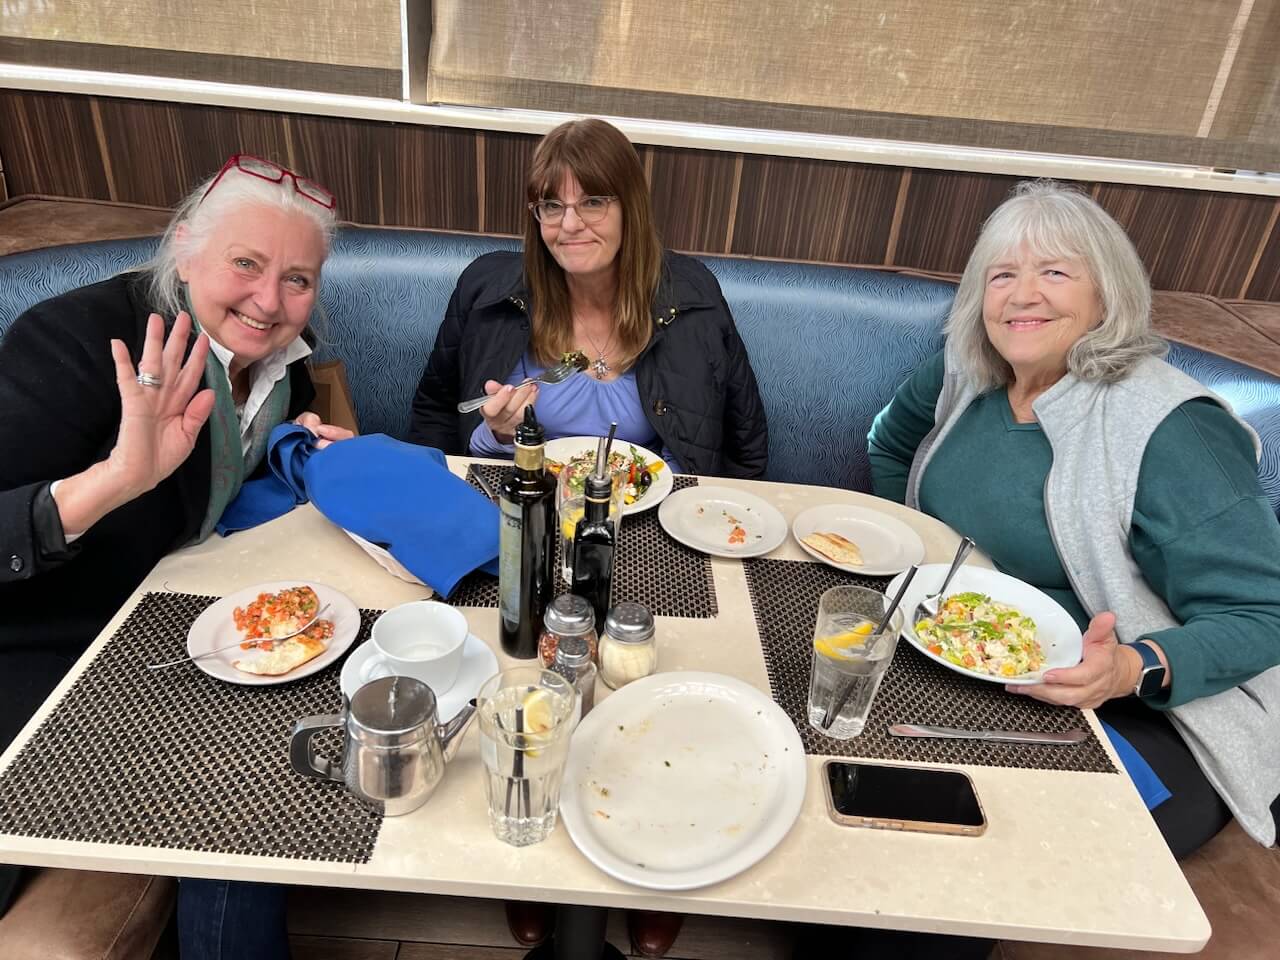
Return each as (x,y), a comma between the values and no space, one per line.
(176,759)
(651,568)
(784,596)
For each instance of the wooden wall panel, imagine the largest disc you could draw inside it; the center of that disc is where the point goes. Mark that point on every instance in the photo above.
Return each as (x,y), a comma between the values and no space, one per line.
(156,152)
(1191,240)
(693,197)
(402,174)
(506,165)
(1266,274)
(48,144)
(344,156)
(429,178)
(814,209)
(942,215)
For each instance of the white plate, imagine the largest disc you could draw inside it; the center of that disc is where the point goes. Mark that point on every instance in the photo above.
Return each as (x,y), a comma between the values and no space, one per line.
(387,561)
(478,665)
(703,517)
(681,780)
(888,545)
(216,628)
(565,447)
(1055,629)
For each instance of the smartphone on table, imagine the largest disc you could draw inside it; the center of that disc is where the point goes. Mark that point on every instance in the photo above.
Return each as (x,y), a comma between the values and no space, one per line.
(903,798)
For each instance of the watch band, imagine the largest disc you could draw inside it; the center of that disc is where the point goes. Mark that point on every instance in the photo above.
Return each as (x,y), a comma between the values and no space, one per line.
(1151,678)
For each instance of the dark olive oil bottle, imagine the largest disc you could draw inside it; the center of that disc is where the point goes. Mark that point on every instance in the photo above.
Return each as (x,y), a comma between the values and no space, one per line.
(526,542)
(595,539)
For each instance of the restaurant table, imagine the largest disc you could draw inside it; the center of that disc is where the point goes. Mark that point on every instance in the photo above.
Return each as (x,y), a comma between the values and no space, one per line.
(1068,856)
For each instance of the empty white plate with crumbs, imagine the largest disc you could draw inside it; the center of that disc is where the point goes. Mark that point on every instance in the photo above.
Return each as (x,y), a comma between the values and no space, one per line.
(722,521)
(681,780)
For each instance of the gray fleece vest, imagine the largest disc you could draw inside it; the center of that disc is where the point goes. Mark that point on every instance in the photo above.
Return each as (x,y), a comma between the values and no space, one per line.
(1098,433)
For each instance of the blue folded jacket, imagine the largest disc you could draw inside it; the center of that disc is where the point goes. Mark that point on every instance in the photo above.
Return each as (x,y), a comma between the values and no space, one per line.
(288,449)
(400,496)
(1150,787)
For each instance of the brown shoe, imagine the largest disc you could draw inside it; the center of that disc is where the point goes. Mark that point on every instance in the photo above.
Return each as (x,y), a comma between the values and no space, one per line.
(653,933)
(530,923)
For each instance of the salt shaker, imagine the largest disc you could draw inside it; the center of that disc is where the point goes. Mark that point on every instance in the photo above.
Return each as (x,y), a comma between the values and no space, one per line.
(567,616)
(628,650)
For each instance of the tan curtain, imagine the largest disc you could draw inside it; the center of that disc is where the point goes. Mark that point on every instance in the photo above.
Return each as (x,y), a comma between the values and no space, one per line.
(341,46)
(1161,80)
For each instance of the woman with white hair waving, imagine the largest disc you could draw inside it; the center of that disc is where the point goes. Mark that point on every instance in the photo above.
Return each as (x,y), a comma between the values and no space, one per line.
(1051,432)
(132,410)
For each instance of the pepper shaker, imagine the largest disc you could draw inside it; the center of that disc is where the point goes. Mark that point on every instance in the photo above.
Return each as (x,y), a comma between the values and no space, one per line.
(568,616)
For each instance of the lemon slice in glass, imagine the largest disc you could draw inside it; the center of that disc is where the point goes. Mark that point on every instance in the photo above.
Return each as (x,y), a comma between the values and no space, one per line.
(847,643)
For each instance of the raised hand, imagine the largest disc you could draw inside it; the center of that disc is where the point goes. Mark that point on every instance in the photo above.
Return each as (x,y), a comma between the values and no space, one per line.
(160,419)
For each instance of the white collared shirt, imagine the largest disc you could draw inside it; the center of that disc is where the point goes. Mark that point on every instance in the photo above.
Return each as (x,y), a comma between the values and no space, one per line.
(263,375)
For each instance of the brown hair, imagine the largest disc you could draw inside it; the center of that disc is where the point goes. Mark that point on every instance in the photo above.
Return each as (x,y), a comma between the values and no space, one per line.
(604,163)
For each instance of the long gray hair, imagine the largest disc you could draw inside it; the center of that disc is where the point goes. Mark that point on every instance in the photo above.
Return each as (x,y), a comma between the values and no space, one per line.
(1054,221)
(201,215)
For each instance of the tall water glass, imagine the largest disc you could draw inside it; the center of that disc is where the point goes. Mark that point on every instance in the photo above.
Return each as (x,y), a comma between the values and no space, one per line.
(849,658)
(570,506)
(526,717)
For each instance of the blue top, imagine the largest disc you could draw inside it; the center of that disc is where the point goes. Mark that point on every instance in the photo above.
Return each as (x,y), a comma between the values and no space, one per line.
(581,406)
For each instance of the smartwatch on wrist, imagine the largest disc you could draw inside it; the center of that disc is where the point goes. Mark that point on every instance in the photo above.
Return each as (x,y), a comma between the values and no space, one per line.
(1151,677)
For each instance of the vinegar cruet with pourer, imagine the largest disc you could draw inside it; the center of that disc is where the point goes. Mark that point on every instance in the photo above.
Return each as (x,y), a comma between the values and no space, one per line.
(595,538)
(526,542)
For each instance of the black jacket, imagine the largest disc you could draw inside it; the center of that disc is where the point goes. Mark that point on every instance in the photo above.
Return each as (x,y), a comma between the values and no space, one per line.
(59,413)
(694,377)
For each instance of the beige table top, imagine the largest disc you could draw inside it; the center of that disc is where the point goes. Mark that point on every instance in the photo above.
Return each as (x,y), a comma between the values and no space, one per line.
(1067,857)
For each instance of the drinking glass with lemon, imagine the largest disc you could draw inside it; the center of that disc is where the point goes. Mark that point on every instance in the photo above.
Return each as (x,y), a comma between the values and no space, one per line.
(570,507)
(849,658)
(526,716)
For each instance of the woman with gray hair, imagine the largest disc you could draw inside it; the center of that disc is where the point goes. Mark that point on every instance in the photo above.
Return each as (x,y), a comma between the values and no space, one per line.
(1051,432)
(131,411)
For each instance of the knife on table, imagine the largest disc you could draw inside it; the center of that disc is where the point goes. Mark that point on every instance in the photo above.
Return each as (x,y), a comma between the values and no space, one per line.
(1007,736)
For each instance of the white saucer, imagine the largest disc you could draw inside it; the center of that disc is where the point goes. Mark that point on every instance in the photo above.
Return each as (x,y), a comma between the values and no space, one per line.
(478,665)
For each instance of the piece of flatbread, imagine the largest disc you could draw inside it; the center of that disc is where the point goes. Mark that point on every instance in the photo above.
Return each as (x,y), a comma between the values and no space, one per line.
(286,655)
(835,548)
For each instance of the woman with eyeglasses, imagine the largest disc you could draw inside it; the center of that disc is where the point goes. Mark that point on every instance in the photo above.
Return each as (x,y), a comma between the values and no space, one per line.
(131,410)
(665,359)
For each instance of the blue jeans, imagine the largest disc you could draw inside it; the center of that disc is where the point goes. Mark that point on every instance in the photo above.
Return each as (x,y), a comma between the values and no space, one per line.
(226,920)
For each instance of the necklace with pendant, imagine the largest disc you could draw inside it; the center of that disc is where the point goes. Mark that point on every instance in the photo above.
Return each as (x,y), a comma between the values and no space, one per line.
(599,366)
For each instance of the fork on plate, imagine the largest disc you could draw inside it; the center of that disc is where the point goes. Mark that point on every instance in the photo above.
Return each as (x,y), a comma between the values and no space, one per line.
(208,653)
(928,607)
(561,372)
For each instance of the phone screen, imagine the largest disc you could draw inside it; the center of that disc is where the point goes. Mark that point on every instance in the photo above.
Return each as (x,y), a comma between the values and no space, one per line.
(903,793)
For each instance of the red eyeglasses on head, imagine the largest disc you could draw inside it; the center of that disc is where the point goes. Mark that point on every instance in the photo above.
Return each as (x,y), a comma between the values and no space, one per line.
(273,172)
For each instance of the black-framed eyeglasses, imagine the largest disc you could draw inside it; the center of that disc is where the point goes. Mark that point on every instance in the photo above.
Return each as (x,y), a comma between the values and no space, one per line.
(588,209)
(266,170)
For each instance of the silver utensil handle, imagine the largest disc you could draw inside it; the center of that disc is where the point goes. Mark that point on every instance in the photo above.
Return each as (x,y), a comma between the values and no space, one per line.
(471,406)
(966,545)
(231,646)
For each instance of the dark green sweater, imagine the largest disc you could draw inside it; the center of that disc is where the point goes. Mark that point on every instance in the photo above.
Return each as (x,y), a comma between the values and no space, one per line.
(1202,534)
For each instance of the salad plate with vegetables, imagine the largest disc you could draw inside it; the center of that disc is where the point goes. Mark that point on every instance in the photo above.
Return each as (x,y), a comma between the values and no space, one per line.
(645,476)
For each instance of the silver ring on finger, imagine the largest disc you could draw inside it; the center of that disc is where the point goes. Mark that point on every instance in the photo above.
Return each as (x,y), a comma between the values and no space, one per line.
(149,379)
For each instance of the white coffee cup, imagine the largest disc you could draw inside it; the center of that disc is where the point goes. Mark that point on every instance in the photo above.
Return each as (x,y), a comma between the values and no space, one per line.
(423,639)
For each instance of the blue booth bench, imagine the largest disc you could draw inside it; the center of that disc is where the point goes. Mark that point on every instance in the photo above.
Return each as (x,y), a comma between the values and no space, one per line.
(829,345)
